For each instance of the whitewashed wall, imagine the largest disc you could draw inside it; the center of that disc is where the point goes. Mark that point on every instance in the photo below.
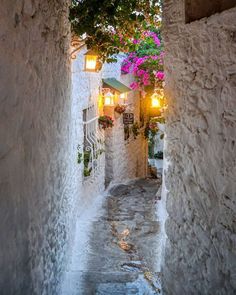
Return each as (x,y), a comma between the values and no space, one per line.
(85,92)
(38,170)
(200,66)
(126,159)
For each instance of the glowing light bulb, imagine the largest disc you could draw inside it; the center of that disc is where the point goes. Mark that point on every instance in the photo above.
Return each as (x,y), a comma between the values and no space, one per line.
(91,61)
(156,101)
(108,99)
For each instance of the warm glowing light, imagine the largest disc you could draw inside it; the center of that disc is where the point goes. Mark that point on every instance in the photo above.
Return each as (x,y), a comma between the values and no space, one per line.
(123,97)
(157,99)
(91,61)
(100,103)
(156,102)
(109,99)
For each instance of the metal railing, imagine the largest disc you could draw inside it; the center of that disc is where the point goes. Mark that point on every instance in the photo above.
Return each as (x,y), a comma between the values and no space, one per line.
(93,144)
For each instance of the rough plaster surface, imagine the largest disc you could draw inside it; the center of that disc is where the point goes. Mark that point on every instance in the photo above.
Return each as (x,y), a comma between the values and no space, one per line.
(124,159)
(200,68)
(85,93)
(38,170)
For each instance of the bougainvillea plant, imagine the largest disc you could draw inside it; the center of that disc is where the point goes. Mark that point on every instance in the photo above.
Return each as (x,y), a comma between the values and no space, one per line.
(146,63)
(113,26)
(105,122)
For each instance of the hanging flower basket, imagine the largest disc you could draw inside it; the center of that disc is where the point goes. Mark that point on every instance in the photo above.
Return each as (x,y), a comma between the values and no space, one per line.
(120,109)
(105,122)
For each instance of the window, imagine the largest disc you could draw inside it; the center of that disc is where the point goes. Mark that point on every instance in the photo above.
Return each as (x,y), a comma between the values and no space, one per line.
(197,9)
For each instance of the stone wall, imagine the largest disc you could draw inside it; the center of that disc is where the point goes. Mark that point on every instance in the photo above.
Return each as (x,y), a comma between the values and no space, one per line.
(85,93)
(200,66)
(38,169)
(125,159)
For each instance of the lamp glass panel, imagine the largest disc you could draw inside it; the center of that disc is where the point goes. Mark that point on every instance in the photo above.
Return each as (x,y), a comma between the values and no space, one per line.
(91,62)
(109,99)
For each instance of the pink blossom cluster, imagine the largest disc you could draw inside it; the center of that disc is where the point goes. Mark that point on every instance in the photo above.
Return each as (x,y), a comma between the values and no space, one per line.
(136,41)
(154,36)
(131,65)
(160,75)
(144,67)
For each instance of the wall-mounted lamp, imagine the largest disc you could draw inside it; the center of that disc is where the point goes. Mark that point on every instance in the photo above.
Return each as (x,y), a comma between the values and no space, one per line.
(108,97)
(157,99)
(92,63)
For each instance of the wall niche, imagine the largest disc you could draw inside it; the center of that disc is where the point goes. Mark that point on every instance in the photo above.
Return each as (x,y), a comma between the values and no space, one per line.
(197,9)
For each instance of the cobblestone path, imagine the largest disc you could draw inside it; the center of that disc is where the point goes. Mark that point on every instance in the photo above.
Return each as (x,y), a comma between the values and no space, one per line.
(124,244)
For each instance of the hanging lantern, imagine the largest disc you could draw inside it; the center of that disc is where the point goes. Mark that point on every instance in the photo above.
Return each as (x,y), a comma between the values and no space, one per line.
(108,98)
(155,101)
(91,61)
(157,98)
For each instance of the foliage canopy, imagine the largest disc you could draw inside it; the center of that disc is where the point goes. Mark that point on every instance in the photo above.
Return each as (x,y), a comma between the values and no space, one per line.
(105,23)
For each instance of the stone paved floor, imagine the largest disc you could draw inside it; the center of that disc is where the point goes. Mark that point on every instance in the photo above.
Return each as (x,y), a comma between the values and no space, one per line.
(123,246)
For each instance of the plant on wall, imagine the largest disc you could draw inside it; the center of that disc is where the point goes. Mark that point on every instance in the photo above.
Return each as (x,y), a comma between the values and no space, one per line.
(110,27)
(79,155)
(87,169)
(105,122)
(126,132)
(120,109)
(135,129)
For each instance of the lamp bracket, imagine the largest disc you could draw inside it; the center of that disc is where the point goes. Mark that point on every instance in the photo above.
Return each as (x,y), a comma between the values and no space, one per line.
(76,45)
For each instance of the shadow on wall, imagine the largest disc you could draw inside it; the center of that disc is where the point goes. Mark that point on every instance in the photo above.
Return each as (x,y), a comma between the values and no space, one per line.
(197,9)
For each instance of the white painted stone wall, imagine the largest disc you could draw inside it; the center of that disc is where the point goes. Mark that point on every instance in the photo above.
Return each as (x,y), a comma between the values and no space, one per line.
(200,66)
(38,129)
(125,159)
(85,92)
(128,160)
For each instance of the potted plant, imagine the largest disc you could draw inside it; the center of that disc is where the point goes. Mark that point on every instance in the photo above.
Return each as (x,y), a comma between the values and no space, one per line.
(120,109)
(105,122)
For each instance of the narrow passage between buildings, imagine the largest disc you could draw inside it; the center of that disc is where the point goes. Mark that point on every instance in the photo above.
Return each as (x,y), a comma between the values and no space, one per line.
(123,248)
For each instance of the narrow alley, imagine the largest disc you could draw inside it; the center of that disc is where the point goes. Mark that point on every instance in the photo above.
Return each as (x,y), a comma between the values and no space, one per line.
(123,249)
(118,147)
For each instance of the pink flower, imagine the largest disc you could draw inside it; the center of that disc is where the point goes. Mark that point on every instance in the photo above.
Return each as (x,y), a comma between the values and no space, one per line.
(140,73)
(146,79)
(154,57)
(134,85)
(157,40)
(154,36)
(140,61)
(160,75)
(135,41)
(132,54)
(126,67)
